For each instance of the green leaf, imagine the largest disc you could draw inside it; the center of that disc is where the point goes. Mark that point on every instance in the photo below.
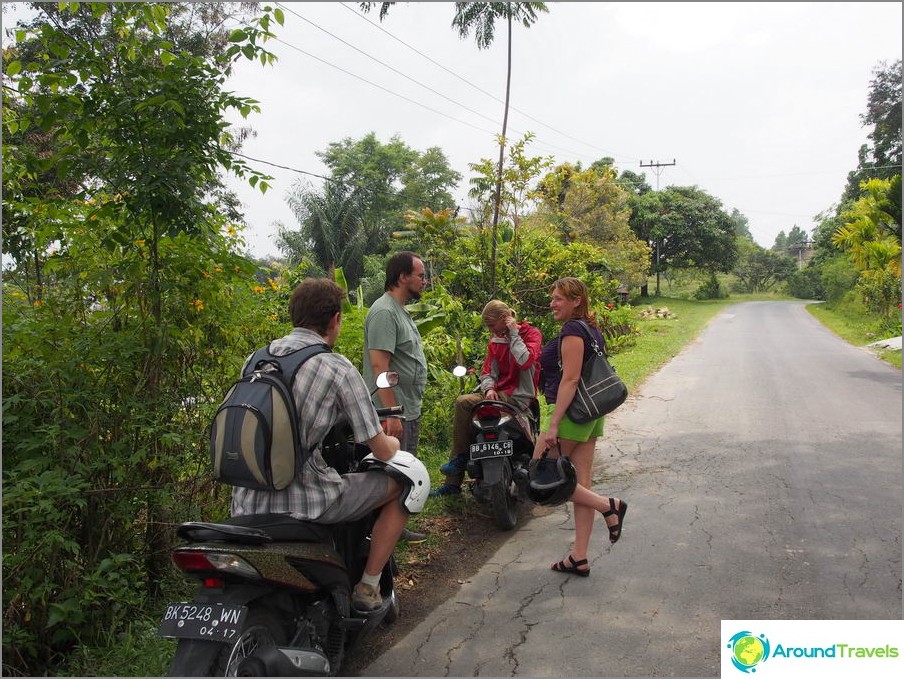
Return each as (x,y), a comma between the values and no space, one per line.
(14,68)
(238,35)
(166,58)
(278,15)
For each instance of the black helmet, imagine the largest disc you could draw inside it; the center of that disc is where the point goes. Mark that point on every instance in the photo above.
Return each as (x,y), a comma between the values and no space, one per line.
(552,480)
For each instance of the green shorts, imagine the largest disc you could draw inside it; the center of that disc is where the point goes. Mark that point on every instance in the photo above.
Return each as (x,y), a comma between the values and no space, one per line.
(568,429)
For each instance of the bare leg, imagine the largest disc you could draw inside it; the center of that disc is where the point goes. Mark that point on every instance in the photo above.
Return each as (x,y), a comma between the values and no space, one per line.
(386,531)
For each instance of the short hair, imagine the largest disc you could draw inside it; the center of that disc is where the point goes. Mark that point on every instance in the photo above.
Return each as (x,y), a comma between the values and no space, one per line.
(314,302)
(495,310)
(400,263)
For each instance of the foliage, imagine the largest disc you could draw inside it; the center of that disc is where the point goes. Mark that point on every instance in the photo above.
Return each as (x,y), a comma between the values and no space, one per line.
(758,270)
(377,170)
(871,236)
(124,305)
(685,228)
(806,283)
(711,289)
(882,158)
(331,229)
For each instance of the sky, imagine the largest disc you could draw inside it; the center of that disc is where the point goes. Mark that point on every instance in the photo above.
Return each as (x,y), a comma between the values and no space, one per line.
(758,104)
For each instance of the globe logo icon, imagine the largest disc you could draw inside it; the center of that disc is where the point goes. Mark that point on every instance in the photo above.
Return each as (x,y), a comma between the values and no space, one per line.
(747,650)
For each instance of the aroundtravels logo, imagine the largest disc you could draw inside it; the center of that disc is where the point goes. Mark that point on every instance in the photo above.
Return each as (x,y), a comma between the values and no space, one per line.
(747,651)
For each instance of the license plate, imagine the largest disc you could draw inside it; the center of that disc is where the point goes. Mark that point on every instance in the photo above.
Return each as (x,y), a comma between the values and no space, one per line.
(479,451)
(216,622)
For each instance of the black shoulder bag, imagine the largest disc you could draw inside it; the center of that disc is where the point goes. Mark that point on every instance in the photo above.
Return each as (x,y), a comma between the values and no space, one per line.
(600,390)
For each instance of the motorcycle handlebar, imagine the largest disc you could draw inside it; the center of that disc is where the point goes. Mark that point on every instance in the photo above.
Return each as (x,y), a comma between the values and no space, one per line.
(392,411)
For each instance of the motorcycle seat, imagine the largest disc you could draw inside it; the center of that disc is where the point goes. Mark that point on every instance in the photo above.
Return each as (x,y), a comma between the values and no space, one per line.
(255,529)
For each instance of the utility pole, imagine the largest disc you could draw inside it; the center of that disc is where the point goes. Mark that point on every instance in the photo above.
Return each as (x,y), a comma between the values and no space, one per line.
(657,171)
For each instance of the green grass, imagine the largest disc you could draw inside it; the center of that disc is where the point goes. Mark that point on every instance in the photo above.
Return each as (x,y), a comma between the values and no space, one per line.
(660,340)
(856,328)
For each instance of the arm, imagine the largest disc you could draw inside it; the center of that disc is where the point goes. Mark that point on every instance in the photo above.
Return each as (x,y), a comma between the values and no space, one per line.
(382,446)
(525,349)
(379,362)
(489,375)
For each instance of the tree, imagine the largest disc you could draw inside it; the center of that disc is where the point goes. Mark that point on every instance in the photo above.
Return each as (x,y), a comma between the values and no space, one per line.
(741,224)
(882,158)
(124,302)
(331,229)
(757,269)
(590,205)
(390,179)
(481,18)
(685,227)
(871,236)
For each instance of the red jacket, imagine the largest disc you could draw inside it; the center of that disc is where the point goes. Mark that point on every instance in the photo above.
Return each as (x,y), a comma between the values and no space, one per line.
(512,364)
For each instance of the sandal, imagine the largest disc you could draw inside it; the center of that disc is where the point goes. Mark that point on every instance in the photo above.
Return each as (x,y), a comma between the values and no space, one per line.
(615,531)
(562,567)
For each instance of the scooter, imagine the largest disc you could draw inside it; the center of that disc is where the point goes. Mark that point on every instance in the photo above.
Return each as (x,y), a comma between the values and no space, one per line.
(275,592)
(501,448)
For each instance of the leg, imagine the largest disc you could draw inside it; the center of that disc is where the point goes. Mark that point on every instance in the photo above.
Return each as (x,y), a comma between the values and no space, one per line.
(461,432)
(386,531)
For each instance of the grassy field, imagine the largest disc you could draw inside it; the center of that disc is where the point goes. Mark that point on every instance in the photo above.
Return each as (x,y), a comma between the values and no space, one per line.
(858,330)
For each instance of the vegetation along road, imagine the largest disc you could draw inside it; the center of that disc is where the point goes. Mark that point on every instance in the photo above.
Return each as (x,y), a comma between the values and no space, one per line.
(763,470)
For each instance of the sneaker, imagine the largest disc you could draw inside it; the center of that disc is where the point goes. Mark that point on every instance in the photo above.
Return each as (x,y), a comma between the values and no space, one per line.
(446,489)
(366,598)
(411,537)
(457,465)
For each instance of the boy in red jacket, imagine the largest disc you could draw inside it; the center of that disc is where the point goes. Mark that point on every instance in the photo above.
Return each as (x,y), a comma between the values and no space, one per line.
(511,372)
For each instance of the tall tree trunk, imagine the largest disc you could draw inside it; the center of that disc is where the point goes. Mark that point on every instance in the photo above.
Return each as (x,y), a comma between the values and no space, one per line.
(498,200)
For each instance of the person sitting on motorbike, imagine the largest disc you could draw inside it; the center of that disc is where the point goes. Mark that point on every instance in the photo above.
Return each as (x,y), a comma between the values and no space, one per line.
(329,390)
(510,374)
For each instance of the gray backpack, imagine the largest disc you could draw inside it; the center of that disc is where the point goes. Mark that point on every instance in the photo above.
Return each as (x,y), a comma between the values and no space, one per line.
(254,439)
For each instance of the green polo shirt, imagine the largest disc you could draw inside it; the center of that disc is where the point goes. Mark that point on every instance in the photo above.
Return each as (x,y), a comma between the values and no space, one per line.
(389,327)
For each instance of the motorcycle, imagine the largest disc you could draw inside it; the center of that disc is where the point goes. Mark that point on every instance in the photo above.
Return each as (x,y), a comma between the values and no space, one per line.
(275,592)
(501,447)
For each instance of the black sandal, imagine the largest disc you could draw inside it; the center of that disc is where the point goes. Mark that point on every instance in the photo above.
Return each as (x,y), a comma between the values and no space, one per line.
(615,531)
(562,567)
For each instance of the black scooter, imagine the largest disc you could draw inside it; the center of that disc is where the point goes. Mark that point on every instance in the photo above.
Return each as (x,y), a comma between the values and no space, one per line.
(275,592)
(501,447)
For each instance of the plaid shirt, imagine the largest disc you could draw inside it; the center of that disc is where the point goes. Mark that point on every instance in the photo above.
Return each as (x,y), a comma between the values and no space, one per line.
(328,390)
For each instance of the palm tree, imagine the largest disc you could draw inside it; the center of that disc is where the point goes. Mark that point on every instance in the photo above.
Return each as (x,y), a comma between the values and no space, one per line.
(331,229)
(481,17)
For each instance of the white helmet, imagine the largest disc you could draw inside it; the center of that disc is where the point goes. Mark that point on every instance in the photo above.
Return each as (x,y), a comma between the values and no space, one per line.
(410,472)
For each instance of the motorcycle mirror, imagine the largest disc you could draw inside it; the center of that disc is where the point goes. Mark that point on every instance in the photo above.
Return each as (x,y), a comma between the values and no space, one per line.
(459,371)
(387,379)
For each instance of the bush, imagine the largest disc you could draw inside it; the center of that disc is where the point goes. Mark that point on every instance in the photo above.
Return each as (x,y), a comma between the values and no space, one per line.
(711,289)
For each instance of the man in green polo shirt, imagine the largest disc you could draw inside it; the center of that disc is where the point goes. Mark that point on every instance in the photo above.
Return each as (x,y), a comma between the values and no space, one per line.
(393,342)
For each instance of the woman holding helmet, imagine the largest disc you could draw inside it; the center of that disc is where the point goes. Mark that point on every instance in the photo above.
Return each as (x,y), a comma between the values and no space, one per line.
(570,304)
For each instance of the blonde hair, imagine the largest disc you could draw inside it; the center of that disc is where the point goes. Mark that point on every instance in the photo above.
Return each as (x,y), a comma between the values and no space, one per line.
(496,310)
(572,288)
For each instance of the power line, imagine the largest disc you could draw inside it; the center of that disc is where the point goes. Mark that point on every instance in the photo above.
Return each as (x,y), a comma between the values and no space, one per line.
(477,87)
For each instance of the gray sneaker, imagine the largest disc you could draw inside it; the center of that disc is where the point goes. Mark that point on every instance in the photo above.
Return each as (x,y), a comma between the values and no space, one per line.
(366,598)
(412,537)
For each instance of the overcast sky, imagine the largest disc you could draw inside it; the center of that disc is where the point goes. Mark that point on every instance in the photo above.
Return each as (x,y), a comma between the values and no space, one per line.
(758,104)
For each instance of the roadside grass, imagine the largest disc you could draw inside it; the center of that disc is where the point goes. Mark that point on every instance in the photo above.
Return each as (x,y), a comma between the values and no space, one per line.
(855,328)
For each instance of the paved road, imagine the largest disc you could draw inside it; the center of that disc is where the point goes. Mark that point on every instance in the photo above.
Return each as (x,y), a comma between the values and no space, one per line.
(762,467)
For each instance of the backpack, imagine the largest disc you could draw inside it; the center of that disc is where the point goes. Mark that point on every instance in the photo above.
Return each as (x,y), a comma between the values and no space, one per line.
(254,438)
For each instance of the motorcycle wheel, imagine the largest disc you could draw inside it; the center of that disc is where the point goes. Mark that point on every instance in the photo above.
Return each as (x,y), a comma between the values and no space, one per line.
(505,501)
(262,628)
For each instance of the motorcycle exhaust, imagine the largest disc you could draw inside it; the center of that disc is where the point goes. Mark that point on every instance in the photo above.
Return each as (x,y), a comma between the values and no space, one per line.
(293,662)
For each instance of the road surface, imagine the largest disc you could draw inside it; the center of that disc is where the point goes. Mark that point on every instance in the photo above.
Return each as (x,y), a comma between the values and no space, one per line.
(762,467)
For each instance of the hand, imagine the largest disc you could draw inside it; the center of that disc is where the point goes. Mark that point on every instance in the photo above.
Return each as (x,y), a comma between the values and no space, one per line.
(392,426)
(550,438)
(511,323)
(492,395)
